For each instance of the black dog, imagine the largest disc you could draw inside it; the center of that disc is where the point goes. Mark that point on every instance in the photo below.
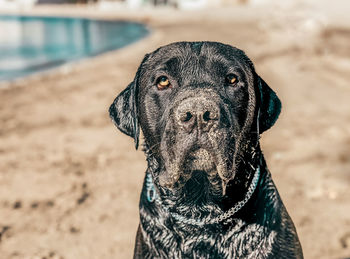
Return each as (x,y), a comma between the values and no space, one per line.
(207,192)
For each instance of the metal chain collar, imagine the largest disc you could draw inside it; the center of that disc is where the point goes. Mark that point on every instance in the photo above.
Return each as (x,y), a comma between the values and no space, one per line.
(152,196)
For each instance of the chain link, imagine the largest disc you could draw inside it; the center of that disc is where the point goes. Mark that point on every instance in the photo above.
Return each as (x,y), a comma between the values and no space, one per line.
(152,195)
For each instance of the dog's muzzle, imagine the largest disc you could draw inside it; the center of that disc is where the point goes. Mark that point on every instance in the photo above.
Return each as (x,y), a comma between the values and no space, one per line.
(199,139)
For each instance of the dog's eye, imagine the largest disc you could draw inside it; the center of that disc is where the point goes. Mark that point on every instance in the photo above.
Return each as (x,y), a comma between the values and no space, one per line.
(163,83)
(231,79)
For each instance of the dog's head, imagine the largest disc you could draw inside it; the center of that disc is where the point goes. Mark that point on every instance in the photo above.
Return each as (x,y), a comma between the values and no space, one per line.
(201,107)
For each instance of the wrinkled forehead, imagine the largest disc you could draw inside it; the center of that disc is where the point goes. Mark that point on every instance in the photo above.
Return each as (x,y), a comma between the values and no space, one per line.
(199,58)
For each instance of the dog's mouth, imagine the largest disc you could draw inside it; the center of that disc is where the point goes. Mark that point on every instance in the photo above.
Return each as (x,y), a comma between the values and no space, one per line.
(198,176)
(210,161)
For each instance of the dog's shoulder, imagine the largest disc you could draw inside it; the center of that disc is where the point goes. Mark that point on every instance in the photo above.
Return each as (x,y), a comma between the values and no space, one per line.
(272,214)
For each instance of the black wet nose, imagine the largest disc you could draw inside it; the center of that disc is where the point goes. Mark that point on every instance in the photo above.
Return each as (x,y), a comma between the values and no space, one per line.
(198,113)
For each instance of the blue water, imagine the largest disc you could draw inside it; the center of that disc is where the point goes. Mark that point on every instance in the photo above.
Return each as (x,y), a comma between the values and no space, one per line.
(32,44)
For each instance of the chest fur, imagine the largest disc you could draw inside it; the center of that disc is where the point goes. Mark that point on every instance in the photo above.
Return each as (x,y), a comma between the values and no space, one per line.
(180,241)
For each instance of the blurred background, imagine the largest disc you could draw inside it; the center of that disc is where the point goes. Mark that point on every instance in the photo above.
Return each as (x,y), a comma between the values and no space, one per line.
(70,181)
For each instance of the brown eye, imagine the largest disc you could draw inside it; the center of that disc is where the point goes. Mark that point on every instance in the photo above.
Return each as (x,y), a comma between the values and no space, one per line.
(231,79)
(163,83)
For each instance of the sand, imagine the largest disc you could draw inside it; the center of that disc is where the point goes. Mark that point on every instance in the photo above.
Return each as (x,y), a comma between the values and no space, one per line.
(70,181)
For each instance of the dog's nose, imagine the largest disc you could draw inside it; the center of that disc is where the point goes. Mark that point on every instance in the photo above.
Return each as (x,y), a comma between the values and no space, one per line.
(198,113)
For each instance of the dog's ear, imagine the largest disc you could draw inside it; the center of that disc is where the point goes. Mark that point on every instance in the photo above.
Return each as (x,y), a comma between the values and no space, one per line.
(123,112)
(124,109)
(270,106)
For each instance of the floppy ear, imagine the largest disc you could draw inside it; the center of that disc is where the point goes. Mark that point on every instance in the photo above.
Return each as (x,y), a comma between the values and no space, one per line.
(124,110)
(270,106)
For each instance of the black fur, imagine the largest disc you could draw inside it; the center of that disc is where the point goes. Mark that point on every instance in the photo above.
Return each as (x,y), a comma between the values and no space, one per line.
(202,147)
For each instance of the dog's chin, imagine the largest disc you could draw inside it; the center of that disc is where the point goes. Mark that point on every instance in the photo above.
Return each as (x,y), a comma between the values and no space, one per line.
(200,178)
(199,160)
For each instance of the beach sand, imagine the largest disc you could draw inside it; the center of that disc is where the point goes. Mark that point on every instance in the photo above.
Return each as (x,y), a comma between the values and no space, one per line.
(70,181)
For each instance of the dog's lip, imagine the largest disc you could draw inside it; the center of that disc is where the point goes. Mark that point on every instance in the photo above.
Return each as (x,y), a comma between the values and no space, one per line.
(178,163)
(200,159)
